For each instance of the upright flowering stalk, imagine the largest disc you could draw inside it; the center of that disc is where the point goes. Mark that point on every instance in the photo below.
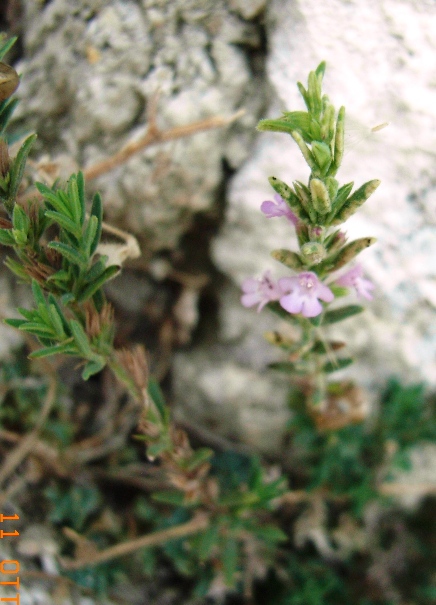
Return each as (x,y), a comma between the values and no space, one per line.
(316,210)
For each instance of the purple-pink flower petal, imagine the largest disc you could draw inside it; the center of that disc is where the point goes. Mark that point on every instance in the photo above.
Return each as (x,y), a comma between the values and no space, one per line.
(260,291)
(278,207)
(353,278)
(302,294)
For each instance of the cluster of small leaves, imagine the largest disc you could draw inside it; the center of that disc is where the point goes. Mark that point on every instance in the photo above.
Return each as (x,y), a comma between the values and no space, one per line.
(347,462)
(319,134)
(242,512)
(56,242)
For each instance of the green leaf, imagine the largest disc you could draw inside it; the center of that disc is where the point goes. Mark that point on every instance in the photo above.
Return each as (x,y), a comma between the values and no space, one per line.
(97,211)
(169,497)
(20,220)
(18,165)
(38,294)
(37,328)
(206,541)
(6,237)
(80,182)
(7,108)
(6,47)
(15,323)
(289,259)
(54,199)
(92,287)
(89,234)
(230,561)
(65,222)
(270,533)
(74,202)
(331,317)
(338,364)
(81,339)
(65,348)
(202,454)
(354,202)
(156,394)
(94,366)
(68,252)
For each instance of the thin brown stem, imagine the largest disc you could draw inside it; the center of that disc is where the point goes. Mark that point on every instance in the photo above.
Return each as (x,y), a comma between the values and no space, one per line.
(154,136)
(197,524)
(27,443)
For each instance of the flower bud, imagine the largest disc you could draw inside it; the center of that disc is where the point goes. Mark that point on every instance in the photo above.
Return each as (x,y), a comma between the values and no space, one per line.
(313,253)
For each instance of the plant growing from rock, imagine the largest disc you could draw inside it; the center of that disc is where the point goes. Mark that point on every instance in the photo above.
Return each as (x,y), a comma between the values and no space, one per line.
(219,518)
(316,211)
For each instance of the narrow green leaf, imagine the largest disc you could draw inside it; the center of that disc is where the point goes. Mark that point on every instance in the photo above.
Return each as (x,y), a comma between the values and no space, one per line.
(15,323)
(331,317)
(6,46)
(91,288)
(156,394)
(7,108)
(94,366)
(96,269)
(53,302)
(169,497)
(307,154)
(74,203)
(289,259)
(20,220)
(68,252)
(97,211)
(53,198)
(57,322)
(289,196)
(89,235)
(270,533)
(37,328)
(338,364)
(18,165)
(207,540)
(80,181)
(355,200)
(200,455)
(27,313)
(17,269)
(230,561)
(6,237)
(338,153)
(65,222)
(346,254)
(38,294)
(65,348)
(81,339)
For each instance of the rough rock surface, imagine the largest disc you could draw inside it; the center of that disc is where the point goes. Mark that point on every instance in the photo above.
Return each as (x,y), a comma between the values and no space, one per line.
(90,70)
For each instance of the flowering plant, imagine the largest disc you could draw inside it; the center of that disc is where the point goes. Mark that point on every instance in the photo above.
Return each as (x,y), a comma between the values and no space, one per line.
(223,518)
(316,210)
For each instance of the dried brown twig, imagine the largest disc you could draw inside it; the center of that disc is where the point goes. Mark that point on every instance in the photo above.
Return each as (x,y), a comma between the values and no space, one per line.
(195,525)
(154,136)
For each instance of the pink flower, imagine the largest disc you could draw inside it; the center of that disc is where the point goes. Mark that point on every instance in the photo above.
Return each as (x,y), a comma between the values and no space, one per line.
(302,293)
(260,291)
(353,278)
(278,207)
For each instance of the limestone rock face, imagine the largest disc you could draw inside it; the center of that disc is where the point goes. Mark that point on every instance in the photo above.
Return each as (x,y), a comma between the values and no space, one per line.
(90,71)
